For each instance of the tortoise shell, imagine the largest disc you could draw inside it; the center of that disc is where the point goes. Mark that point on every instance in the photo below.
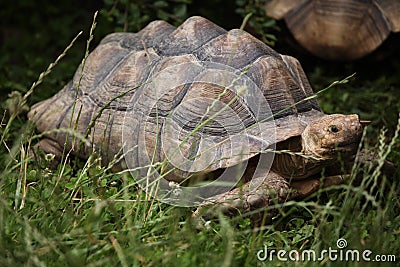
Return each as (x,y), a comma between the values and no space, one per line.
(338,29)
(206,84)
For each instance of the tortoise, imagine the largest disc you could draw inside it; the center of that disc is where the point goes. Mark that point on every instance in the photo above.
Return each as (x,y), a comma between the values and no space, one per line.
(338,29)
(221,102)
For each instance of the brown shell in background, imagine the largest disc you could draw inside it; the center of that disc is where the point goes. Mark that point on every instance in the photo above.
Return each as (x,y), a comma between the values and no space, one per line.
(115,90)
(338,29)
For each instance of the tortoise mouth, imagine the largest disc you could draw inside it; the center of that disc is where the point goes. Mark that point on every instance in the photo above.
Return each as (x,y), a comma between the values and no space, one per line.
(344,148)
(353,146)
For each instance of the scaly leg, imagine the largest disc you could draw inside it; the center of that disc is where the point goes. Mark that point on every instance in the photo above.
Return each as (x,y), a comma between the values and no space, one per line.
(273,189)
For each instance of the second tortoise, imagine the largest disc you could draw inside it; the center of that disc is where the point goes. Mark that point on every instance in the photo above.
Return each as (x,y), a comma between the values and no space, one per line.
(338,29)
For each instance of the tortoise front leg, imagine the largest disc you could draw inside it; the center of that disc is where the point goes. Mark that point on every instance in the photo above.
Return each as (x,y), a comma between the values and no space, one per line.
(304,188)
(273,189)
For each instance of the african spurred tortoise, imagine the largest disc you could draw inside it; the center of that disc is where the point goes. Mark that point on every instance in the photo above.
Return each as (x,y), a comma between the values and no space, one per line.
(338,29)
(219,102)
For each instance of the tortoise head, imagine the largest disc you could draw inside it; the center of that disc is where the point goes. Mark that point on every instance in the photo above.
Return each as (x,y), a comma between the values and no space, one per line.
(332,134)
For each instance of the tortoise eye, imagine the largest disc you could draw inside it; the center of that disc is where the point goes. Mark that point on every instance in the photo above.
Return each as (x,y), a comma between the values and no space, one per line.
(333,129)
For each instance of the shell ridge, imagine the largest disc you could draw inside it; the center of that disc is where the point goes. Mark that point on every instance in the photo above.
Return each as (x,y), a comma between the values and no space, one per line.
(189,36)
(235,48)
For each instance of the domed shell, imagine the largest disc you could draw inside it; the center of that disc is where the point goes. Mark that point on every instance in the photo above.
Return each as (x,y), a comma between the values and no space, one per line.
(207,85)
(338,29)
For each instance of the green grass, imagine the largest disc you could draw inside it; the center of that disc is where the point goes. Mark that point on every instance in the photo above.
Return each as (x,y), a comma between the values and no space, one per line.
(82,214)
(89,217)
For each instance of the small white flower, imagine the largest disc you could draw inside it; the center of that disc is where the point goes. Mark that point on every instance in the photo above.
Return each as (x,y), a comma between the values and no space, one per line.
(47,172)
(207,225)
(49,157)
(173,184)
(176,188)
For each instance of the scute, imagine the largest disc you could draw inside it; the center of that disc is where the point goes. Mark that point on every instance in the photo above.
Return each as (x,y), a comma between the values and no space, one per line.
(154,33)
(235,48)
(191,35)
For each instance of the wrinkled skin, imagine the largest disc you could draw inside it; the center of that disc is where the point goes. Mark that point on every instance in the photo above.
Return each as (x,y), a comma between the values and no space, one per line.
(321,143)
(332,134)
